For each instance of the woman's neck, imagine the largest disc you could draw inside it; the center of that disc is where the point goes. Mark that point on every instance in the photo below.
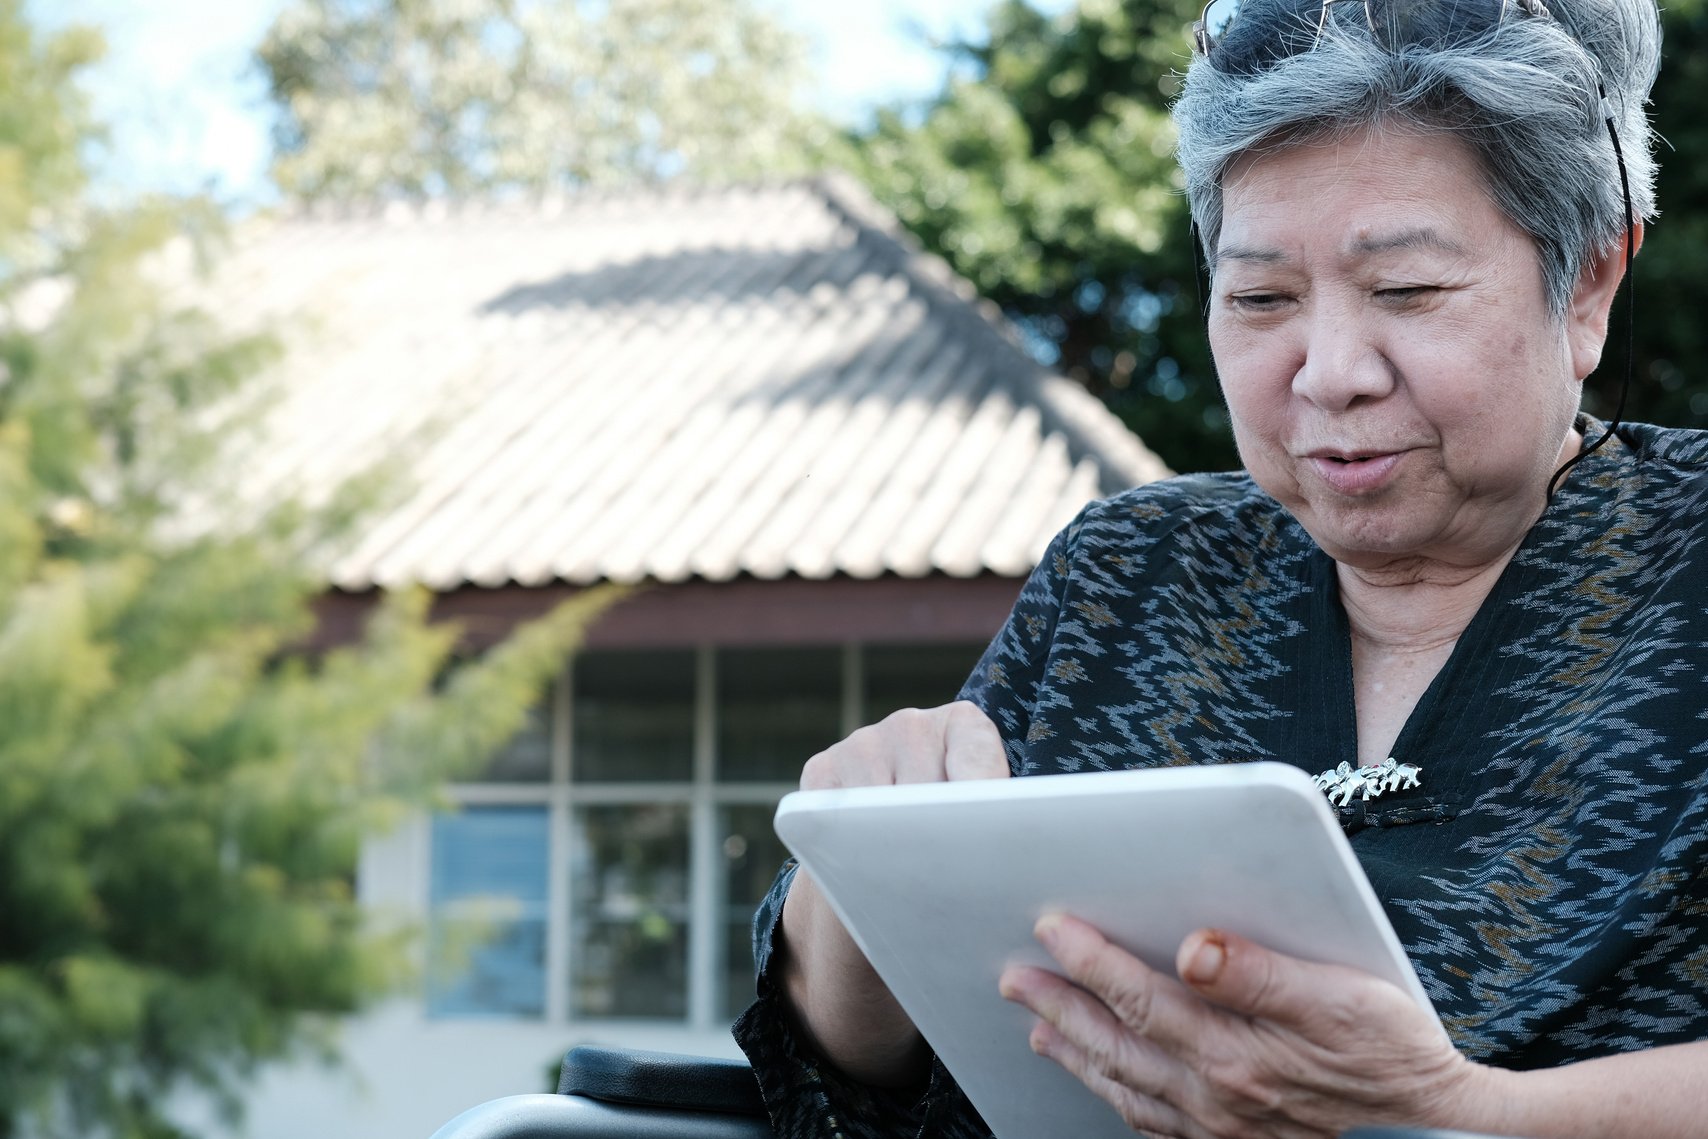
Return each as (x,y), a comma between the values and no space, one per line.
(1417,607)
(1404,628)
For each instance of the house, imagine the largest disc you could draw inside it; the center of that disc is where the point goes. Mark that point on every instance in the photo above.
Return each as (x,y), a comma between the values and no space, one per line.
(827,466)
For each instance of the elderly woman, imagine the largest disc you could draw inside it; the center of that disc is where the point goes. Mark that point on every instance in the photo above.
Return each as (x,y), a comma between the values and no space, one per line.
(1417,218)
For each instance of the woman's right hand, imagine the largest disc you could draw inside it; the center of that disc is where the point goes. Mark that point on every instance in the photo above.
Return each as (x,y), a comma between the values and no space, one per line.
(845,1009)
(931,745)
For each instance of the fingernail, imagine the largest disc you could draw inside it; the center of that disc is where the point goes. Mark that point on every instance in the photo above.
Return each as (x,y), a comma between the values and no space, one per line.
(1048,930)
(1205,964)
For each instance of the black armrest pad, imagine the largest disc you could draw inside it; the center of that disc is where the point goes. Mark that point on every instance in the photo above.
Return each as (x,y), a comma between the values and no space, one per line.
(660,1079)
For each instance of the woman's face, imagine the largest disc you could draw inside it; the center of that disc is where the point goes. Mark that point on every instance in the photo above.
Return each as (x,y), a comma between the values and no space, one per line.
(1392,371)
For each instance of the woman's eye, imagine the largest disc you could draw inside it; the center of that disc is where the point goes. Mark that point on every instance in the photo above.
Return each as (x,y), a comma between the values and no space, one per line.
(1257,302)
(1402,293)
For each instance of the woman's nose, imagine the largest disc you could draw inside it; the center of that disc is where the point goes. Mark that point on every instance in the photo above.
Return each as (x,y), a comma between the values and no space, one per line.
(1342,364)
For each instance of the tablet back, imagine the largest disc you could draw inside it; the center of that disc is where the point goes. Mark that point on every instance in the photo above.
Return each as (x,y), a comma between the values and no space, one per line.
(941,883)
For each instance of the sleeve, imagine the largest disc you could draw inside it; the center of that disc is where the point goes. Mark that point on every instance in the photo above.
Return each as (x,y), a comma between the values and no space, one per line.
(806,1097)
(1006,681)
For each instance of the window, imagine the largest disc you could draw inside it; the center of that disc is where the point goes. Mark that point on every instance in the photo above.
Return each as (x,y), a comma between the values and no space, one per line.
(913,676)
(634,717)
(607,865)
(751,852)
(776,708)
(628,947)
(487,940)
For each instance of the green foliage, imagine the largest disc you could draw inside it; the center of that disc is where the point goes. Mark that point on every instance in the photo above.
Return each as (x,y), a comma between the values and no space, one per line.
(1044,173)
(418,98)
(1668,383)
(181,797)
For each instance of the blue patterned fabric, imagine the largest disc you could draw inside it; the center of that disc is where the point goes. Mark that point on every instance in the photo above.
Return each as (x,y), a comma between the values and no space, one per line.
(1549,877)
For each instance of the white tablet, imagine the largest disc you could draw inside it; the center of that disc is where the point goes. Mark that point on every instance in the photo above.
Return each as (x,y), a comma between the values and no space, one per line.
(940,884)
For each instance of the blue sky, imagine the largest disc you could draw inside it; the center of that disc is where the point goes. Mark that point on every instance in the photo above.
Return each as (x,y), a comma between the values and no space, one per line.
(188,111)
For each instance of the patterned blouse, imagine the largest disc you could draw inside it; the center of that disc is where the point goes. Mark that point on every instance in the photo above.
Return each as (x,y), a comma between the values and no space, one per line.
(1549,874)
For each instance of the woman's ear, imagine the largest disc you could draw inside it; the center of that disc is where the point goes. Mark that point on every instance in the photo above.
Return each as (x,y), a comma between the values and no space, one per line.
(1592,301)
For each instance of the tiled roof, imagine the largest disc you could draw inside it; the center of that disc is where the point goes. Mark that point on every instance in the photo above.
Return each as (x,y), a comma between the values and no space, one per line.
(758,381)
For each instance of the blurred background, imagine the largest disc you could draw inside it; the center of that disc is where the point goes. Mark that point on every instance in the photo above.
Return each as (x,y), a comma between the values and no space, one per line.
(188,108)
(459,458)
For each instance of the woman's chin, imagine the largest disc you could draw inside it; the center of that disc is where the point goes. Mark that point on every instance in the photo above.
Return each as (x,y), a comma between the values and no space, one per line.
(1370,537)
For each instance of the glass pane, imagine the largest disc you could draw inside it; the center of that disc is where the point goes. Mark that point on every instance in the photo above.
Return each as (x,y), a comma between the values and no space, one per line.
(629,916)
(752,853)
(486,943)
(527,758)
(634,716)
(914,676)
(776,709)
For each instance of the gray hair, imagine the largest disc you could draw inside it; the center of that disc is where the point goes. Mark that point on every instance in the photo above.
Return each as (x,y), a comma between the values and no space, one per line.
(1525,98)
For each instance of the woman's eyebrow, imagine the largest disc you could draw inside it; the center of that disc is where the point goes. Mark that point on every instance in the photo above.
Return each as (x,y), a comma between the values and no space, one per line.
(1419,237)
(1251,254)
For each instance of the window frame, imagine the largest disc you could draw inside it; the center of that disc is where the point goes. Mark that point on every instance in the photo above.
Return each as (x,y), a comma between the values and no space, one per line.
(704,796)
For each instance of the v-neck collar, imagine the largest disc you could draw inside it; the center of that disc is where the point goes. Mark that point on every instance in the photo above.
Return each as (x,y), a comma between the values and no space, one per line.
(1443,734)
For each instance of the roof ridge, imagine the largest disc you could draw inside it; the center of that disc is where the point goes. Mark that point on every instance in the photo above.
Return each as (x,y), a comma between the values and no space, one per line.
(546,202)
(936,278)
(1072,408)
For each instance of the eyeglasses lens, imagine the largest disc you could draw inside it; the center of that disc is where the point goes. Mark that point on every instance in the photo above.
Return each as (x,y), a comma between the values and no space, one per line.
(1247,36)
(1218,14)
(1431,24)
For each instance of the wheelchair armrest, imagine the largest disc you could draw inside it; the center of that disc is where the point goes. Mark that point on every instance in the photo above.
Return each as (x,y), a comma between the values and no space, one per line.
(641,1078)
(574,1117)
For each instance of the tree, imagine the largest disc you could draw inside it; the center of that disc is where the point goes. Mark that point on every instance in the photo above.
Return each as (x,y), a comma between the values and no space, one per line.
(181,796)
(1668,383)
(1044,173)
(417,98)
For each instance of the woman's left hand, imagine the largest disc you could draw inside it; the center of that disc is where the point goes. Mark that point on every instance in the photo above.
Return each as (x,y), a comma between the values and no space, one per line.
(1247,1041)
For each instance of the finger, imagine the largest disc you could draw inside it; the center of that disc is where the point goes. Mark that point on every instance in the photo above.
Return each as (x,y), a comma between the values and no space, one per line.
(1144,1113)
(912,745)
(1105,1044)
(915,739)
(972,747)
(1149,1003)
(854,762)
(905,747)
(1305,996)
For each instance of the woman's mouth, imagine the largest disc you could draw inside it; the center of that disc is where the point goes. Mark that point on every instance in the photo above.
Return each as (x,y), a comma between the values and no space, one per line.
(1356,473)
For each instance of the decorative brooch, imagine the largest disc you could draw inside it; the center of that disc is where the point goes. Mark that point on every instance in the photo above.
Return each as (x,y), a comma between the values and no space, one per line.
(1346,782)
